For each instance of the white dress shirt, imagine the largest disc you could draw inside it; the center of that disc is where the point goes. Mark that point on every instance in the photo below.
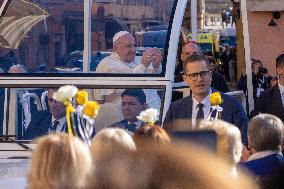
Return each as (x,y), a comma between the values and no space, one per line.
(61,126)
(206,108)
(281,88)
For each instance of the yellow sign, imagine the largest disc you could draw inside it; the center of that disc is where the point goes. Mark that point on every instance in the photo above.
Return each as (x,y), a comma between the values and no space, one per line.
(205,38)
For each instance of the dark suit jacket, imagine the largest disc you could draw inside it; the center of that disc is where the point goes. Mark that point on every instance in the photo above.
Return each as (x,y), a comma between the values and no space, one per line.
(270,102)
(178,117)
(266,166)
(38,127)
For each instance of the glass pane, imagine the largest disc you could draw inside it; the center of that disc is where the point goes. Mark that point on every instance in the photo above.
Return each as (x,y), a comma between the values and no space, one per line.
(42,36)
(31,112)
(123,30)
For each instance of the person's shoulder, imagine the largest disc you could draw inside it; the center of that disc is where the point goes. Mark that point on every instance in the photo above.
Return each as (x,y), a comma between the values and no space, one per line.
(230,101)
(119,124)
(105,64)
(107,60)
(264,164)
(181,102)
(270,91)
(227,97)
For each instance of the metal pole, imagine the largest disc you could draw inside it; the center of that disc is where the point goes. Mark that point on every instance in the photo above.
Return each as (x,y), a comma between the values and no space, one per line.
(87,35)
(4,4)
(194,25)
(247,55)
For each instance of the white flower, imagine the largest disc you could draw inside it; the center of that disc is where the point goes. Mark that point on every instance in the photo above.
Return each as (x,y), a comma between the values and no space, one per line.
(149,116)
(65,93)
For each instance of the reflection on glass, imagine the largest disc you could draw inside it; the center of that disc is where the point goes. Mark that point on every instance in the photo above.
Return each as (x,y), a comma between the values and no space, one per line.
(41,34)
(33,112)
(123,58)
(142,49)
(111,101)
(48,36)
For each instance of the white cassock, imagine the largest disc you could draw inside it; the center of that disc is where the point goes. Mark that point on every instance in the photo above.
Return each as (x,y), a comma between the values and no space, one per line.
(110,111)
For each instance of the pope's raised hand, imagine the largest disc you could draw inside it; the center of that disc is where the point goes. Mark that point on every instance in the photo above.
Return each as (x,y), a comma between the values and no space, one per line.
(157,58)
(148,57)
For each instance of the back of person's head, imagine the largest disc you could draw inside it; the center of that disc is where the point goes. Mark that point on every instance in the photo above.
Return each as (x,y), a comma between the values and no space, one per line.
(112,140)
(151,134)
(60,161)
(280,61)
(18,68)
(138,93)
(112,150)
(189,48)
(182,166)
(265,132)
(229,144)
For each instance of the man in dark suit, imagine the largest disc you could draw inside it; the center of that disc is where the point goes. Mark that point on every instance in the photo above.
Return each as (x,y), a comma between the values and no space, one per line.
(272,100)
(133,102)
(265,136)
(185,113)
(53,120)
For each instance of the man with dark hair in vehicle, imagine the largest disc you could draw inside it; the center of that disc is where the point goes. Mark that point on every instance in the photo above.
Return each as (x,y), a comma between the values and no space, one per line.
(133,102)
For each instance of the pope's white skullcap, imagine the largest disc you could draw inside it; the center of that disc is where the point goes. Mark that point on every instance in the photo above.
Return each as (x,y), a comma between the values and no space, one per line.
(119,35)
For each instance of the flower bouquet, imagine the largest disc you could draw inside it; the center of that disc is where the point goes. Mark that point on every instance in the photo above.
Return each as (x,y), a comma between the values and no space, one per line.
(83,110)
(149,116)
(216,101)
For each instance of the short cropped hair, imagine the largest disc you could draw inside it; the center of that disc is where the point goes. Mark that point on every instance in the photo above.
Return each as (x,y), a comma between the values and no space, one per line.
(280,61)
(265,132)
(138,93)
(195,57)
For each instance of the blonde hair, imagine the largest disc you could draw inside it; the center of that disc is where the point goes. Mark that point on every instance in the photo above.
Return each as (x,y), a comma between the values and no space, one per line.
(111,148)
(60,161)
(109,138)
(229,144)
(175,166)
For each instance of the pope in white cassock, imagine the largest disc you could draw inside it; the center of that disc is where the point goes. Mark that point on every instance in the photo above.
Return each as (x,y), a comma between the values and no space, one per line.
(122,60)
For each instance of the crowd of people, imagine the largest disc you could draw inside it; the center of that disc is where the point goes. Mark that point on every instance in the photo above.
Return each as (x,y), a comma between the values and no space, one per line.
(151,158)
(134,154)
(129,153)
(228,17)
